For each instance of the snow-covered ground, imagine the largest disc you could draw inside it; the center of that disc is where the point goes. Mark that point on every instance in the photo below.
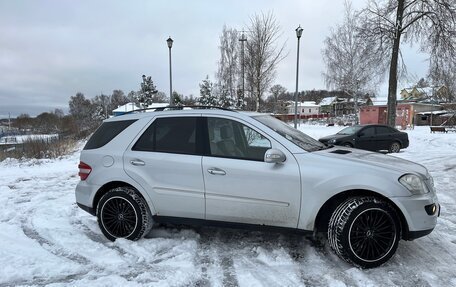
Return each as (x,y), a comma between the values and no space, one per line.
(45,239)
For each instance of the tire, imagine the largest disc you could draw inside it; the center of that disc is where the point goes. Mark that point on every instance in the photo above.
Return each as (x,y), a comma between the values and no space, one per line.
(364,231)
(394,147)
(347,145)
(123,213)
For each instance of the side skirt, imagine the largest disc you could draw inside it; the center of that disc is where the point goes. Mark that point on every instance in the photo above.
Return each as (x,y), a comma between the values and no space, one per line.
(226,224)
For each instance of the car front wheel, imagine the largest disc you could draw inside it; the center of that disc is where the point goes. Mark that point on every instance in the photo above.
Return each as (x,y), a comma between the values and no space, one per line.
(364,231)
(123,213)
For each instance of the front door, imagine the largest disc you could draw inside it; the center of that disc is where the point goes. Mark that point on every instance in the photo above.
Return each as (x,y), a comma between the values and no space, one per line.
(240,186)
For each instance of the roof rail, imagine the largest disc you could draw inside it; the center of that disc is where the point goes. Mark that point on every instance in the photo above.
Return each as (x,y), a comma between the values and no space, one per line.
(159,109)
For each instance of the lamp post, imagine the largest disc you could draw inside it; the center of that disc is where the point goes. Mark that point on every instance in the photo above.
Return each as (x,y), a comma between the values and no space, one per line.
(298,35)
(242,40)
(170,45)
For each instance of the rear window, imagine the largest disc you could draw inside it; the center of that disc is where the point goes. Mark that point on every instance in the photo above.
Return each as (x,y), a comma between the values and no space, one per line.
(106,132)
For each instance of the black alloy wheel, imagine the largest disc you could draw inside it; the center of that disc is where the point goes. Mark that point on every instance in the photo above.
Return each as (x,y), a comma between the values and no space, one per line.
(372,235)
(123,213)
(119,217)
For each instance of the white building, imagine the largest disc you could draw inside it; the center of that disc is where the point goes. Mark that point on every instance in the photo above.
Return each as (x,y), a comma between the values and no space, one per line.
(308,108)
(131,107)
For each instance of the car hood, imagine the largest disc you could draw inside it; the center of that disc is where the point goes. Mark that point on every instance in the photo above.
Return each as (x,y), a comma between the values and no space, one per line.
(375,159)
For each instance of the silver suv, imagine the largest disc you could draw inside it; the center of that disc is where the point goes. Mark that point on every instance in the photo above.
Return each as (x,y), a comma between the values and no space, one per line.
(229,168)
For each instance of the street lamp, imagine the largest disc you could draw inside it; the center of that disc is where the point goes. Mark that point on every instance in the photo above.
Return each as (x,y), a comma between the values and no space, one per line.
(298,34)
(170,45)
(242,40)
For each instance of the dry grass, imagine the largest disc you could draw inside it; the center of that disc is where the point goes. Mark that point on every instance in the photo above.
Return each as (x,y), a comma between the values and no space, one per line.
(39,149)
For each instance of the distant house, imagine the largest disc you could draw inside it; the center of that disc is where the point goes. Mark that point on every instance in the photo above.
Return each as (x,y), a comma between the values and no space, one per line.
(425,94)
(326,105)
(305,109)
(132,106)
(338,106)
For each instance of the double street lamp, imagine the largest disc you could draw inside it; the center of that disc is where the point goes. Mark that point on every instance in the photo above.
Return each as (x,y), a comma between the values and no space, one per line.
(170,45)
(298,35)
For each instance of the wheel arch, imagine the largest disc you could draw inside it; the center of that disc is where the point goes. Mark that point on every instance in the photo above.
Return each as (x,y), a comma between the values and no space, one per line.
(327,209)
(114,184)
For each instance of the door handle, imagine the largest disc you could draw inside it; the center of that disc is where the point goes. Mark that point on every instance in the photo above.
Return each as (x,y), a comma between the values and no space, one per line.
(216,171)
(137,162)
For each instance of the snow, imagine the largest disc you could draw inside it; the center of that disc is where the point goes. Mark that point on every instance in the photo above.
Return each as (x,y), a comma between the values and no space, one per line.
(45,239)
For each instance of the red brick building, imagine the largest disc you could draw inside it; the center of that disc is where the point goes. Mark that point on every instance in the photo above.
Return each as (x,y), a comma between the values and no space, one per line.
(405,113)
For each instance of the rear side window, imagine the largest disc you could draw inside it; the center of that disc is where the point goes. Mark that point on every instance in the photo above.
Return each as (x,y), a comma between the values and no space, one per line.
(384,130)
(171,135)
(106,132)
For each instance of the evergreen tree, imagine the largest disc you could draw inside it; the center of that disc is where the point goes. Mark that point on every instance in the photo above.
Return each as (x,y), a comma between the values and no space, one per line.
(225,98)
(145,96)
(207,97)
(177,99)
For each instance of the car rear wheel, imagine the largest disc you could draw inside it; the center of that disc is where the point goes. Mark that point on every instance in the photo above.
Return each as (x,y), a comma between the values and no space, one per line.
(122,213)
(394,147)
(364,231)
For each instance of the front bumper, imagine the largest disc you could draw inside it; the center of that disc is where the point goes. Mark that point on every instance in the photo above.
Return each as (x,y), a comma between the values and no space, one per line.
(416,213)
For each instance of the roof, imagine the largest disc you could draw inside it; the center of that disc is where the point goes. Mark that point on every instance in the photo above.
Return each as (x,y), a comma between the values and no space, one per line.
(132,106)
(327,101)
(125,108)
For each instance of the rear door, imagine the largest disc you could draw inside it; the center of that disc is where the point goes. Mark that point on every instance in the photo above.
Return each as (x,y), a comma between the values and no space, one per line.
(166,161)
(240,186)
(385,137)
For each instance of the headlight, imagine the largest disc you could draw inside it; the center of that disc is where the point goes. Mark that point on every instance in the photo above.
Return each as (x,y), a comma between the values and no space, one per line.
(414,184)
(332,141)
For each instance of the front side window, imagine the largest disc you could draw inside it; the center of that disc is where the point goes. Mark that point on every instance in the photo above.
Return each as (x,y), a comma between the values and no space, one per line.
(170,135)
(231,139)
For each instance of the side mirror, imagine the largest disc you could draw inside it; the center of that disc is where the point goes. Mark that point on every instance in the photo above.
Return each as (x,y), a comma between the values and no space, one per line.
(274,156)
(361,134)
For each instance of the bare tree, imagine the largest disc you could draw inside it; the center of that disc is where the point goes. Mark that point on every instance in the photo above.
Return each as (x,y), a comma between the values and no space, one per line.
(388,23)
(263,53)
(276,92)
(228,66)
(442,73)
(350,64)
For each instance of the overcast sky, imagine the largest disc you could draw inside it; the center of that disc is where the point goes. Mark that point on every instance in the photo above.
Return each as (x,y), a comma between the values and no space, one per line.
(50,50)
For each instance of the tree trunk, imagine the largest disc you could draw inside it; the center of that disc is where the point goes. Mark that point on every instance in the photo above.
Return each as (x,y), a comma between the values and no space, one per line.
(392,84)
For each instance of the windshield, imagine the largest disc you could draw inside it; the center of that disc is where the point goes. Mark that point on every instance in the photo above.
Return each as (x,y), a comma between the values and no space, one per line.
(349,130)
(297,137)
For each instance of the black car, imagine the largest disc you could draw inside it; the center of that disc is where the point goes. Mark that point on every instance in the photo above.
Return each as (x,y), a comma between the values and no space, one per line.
(369,137)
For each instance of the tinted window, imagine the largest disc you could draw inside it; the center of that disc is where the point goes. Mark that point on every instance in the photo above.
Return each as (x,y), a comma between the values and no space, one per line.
(172,135)
(228,138)
(368,132)
(106,132)
(383,130)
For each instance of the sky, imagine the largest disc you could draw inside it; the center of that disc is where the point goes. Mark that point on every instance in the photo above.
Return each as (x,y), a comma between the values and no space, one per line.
(50,50)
